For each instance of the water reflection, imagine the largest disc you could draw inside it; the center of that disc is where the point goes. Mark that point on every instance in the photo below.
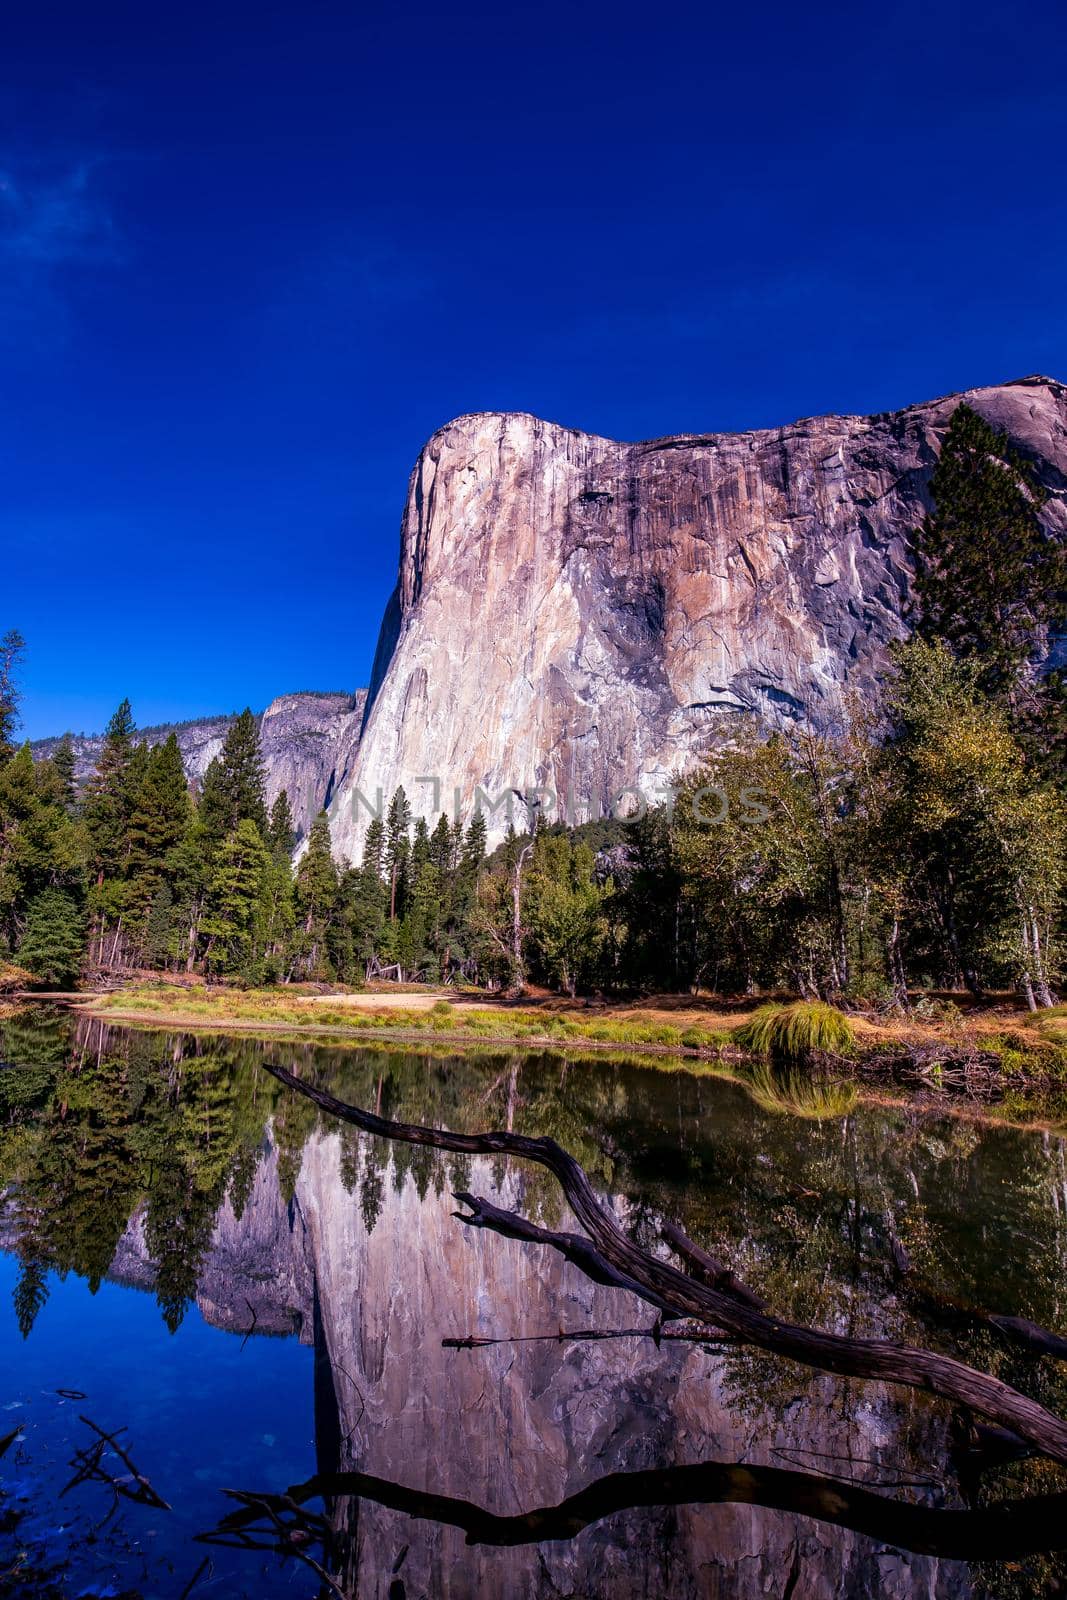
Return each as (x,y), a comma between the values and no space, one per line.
(174,1165)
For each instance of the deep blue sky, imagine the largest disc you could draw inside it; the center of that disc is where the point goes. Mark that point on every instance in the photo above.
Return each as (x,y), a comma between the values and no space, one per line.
(251,256)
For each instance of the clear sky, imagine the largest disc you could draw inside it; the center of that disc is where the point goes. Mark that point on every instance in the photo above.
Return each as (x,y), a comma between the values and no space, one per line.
(252,255)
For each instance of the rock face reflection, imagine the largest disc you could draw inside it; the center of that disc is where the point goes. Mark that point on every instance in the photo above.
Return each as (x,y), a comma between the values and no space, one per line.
(518,1425)
(176,1165)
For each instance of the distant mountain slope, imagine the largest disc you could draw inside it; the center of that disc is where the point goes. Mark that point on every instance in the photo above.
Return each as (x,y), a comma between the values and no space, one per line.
(308,742)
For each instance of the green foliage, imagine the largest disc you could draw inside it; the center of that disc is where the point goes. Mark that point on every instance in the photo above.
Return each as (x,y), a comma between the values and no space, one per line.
(796,1032)
(159,816)
(12,649)
(235,900)
(565,912)
(52,944)
(281,830)
(315,901)
(989,581)
(986,833)
(234,784)
(397,851)
(108,799)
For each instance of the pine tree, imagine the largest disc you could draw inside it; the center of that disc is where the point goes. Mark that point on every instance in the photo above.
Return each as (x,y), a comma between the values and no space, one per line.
(30,1293)
(54,939)
(989,581)
(107,798)
(363,902)
(374,847)
(422,915)
(234,900)
(234,783)
(190,870)
(12,648)
(442,851)
(63,763)
(41,845)
(315,898)
(397,848)
(159,817)
(468,852)
(474,843)
(281,830)
(279,915)
(158,941)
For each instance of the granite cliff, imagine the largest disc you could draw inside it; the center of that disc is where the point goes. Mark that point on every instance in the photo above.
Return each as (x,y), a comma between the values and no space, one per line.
(583,615)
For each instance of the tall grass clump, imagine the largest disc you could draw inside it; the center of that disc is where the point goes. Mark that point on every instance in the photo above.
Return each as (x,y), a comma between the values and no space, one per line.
(792,1034)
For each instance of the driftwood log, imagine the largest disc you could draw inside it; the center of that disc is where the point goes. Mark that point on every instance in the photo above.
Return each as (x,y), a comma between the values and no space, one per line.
(1007,1531)
(680,1294)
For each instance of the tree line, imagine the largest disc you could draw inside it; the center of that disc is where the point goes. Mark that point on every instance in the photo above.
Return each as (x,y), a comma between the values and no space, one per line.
(922,844)
(142,869)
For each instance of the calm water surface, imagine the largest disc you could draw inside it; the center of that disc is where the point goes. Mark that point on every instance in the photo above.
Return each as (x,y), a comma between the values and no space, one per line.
(194,1256)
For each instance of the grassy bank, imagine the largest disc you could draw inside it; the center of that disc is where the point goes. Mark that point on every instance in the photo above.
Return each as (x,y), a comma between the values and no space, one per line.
(409,1016)
(995,1050)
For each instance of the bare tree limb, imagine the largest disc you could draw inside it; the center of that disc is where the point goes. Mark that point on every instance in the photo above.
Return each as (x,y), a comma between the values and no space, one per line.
(660,1282)
(1000,1532)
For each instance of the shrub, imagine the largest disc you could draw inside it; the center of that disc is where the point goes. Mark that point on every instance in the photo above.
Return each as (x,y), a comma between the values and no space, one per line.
(931,1009)
(793,1033)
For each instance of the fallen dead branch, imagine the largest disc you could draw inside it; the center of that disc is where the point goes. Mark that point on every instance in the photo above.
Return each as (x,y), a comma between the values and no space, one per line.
(1003,1532)
(678,1293)
(90,1469)
(659,1333)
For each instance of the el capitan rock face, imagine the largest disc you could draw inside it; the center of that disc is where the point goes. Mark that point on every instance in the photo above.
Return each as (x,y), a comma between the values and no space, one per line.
(585,615)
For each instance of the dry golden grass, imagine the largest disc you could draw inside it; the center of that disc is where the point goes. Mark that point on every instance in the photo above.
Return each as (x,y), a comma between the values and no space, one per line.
(684,1024)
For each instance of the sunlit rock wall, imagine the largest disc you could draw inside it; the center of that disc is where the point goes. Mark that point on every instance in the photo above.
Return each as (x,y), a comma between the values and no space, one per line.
(585,615)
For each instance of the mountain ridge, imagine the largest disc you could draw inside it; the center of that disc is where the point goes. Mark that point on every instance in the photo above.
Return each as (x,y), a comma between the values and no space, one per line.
(307,740)
(579,615)
(576,614)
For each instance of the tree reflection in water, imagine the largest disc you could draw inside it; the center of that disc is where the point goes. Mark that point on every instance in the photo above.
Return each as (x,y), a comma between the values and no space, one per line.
(100,1125)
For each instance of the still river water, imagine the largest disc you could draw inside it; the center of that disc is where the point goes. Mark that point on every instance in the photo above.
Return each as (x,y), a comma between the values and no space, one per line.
(253,1295)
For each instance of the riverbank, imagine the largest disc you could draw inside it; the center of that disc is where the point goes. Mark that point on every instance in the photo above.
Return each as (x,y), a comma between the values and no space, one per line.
(998,1050)
(975,1068)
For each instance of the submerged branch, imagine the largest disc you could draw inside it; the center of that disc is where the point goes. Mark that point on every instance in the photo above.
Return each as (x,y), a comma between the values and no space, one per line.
(659,1333)
(1004,1532)
(663,1284)
(90,1468)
